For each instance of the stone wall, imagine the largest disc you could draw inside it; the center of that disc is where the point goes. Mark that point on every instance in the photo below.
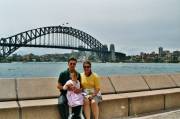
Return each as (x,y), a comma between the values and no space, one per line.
(36,98)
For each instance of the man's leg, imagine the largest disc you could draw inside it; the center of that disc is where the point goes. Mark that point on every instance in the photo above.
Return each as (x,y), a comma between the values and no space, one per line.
(63,107)
(76,112)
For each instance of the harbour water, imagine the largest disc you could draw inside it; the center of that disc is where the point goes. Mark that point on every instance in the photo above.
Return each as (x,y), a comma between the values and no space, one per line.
(52,69)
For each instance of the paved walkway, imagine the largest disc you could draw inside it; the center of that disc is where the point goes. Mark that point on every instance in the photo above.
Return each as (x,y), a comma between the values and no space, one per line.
(165,115)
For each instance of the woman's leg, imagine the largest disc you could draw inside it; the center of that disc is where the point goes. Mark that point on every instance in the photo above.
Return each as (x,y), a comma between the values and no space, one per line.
(86,108)
(95,109)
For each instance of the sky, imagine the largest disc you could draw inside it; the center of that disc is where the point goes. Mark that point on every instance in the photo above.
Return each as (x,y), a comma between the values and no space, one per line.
(134,26)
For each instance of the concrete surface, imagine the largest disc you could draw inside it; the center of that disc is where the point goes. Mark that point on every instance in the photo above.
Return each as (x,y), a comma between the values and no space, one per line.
(9,114)
(41,93)
(159,81)
(106,86)
(38,103)
(147,104)
(9,110)
(8,91)
(176,78)
(172,101)
(129,83)
(37,88)
(140,94)
(8,105)
(175,114)
(42,112)
(40,109)
(113,109)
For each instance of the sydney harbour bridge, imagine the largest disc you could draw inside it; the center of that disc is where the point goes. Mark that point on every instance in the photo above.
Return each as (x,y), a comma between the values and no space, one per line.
(61,37)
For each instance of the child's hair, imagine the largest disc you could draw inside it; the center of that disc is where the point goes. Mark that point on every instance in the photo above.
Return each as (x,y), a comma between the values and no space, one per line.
(74,73)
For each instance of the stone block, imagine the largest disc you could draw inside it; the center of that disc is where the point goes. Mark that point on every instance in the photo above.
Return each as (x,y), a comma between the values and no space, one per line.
(106,86)
(37,88)
(9,110)
(112,109)
(172,100)
(40,109)
(8,90)
(147,104)
(176,78)
(159,81)
(129,83)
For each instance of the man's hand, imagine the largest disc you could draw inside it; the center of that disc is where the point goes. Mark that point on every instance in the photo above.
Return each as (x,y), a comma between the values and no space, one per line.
(59,86)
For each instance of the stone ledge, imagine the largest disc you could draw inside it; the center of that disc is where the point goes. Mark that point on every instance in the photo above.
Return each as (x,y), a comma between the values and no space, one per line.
(120,105)
(42,102)
(9,105)
(140,94)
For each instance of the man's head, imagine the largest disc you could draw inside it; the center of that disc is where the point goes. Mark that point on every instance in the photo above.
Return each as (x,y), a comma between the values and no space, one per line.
(72,63)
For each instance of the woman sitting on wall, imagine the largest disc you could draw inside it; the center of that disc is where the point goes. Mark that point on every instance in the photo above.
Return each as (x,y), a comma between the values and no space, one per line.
(91,87)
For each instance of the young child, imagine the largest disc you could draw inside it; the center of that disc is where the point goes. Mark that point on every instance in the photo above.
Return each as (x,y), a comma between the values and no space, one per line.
(74,100)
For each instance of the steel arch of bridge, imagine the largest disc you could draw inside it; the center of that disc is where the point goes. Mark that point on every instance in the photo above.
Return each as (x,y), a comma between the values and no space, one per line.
(24,39)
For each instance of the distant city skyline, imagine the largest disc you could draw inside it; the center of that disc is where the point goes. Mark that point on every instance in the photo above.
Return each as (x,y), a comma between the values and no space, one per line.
(134,26)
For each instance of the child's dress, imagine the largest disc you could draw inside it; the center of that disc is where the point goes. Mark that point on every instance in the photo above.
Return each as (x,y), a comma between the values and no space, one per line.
(73,98)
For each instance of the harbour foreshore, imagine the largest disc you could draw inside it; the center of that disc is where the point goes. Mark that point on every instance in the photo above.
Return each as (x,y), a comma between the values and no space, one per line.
(124,96)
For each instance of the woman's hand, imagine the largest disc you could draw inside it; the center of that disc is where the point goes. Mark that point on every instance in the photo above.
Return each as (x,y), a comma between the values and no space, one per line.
(89,97)
(94,94)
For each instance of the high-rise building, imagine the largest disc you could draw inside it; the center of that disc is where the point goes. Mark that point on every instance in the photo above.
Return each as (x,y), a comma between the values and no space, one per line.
(104,55)
(112,50)
(160,51)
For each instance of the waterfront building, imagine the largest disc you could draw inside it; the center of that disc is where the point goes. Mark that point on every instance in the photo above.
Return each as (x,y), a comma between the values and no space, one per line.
(160,51)
(105,55)
(112,50)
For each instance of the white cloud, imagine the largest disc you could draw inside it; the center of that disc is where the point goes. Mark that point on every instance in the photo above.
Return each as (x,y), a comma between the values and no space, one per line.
(126,23)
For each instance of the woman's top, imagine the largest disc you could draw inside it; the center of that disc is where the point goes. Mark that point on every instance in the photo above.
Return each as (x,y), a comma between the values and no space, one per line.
(90,83)
(73,98)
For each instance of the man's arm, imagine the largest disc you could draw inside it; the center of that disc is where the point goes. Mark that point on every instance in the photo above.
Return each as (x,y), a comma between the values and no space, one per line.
(59,86)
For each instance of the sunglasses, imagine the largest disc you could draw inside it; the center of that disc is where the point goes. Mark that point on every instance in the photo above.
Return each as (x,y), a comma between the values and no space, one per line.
(73,64)
(86,67)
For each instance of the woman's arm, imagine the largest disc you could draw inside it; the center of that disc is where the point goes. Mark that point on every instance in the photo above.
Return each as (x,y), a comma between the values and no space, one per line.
(96,92)
(97,85)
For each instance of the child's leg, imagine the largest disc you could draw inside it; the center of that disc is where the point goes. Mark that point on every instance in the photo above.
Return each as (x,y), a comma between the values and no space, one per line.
(76,112)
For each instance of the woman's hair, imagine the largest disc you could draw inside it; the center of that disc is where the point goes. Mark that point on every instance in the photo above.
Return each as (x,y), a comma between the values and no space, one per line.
(87,62)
